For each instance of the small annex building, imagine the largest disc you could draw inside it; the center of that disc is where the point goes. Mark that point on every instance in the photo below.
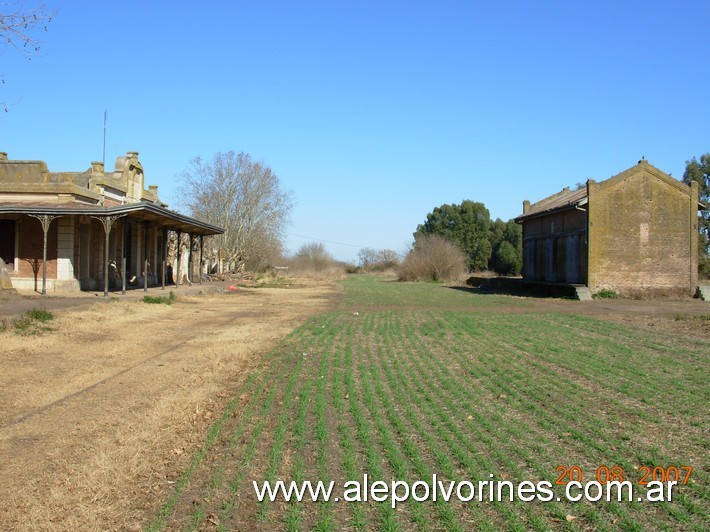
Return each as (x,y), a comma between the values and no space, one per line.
(635,233)
(76,230)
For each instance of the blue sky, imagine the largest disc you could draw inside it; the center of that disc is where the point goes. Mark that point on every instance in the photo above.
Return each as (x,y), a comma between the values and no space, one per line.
(371,113)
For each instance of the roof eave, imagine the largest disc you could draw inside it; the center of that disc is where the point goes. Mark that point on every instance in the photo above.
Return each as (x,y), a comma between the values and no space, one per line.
(569,207)
(179,221)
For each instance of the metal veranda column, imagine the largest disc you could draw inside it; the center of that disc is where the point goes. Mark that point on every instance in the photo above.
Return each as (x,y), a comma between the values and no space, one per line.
(123,256)
(107,222)
(46,221)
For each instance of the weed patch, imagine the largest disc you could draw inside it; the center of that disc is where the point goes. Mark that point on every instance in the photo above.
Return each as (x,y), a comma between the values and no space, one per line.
(605,293)
(160,300)
(33,321)
(699,318)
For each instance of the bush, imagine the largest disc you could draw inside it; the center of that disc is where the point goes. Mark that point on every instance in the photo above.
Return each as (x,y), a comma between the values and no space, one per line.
(433,258)
(160,300)
(605,293)
(313,261)
(378,260)
(33,322)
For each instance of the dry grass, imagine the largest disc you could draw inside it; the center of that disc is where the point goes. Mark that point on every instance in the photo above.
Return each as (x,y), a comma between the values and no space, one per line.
(332,272)
(98,418)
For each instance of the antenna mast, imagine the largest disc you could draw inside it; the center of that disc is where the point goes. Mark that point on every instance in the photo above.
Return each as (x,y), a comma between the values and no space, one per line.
(103,160)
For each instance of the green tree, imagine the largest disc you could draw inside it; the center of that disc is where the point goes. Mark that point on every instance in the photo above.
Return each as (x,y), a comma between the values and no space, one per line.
(496,233)
(467,225)
(699,171)
(507,243)
(506,259)
(502,261)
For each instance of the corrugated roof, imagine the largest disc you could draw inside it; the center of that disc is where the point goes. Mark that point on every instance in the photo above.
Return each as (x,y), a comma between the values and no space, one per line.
(564,198)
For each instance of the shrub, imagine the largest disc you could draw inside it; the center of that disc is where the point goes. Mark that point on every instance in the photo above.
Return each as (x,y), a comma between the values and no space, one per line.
(160,300)
(605,293)
(433,258)
(33,321)
(313,261)
(39,314)
(378,260)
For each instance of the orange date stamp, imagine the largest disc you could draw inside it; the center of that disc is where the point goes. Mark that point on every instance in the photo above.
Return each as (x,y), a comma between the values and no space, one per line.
(615,473)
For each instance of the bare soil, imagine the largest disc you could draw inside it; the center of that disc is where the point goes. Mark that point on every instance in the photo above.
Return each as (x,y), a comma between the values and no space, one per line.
(685,317)
(688,317)
(100,416)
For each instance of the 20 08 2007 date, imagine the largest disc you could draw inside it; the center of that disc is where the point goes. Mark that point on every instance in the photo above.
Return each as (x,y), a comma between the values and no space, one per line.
(679,474)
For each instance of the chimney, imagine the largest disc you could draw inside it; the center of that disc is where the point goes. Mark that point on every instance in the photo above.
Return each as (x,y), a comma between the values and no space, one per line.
(97,167)
(526,206)
(3,156)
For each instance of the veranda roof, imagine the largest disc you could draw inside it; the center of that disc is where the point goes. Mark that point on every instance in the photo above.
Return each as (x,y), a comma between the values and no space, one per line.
(146,212)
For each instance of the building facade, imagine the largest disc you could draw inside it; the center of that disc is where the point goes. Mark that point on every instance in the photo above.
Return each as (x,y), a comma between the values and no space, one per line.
(635,233)
(88,230)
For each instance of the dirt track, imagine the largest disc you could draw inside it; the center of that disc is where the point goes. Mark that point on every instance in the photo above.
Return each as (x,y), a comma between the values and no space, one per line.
(98,417)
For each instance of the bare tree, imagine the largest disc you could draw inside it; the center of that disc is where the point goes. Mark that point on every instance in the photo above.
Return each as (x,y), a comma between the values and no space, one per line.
(378,259)
(18,24)
(245,199)
(314,256)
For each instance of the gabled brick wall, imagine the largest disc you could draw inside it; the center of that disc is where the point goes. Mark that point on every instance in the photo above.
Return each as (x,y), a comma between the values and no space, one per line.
(641,227)
(635,233)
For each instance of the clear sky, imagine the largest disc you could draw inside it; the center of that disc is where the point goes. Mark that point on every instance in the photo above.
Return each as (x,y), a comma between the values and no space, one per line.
(371,112)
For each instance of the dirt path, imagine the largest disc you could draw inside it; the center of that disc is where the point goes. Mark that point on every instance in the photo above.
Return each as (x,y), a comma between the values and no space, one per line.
(98,418)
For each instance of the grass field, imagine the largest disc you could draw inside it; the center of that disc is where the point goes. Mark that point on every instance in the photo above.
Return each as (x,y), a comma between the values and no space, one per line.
(407,380)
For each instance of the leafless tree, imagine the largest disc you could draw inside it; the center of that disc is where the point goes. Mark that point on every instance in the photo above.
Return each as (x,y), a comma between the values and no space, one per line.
(314,256)
(378,259)
(18,25)
(245,199)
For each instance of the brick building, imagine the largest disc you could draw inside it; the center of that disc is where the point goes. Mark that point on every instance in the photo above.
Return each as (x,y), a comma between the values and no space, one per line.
(635,233)
(86,230)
